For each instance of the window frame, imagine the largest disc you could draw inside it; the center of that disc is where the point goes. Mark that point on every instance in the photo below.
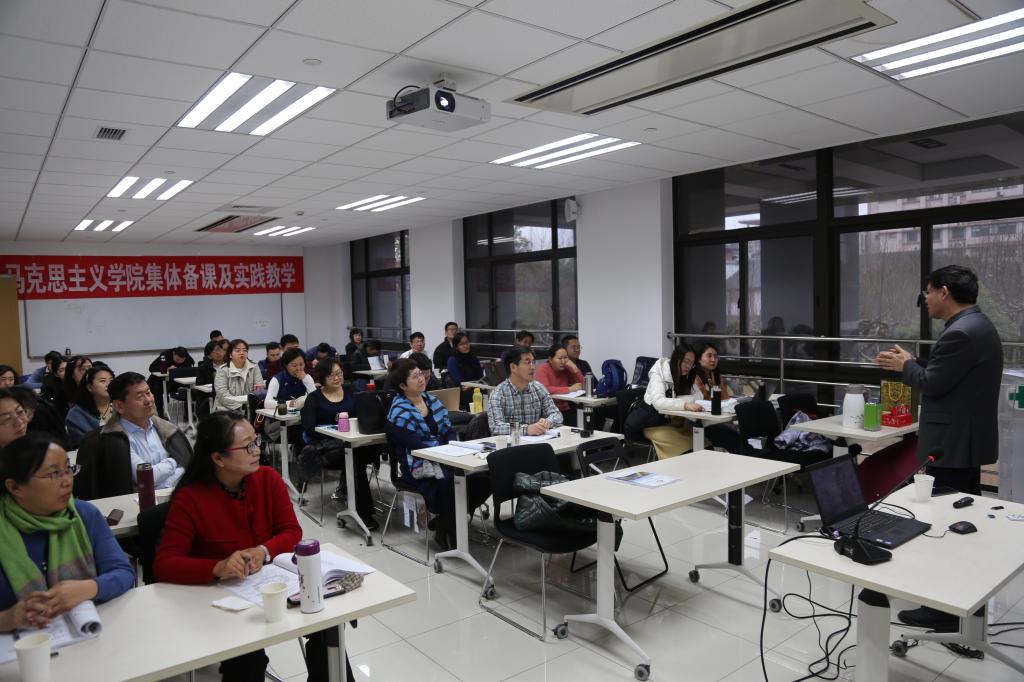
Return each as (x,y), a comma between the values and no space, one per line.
(369,274)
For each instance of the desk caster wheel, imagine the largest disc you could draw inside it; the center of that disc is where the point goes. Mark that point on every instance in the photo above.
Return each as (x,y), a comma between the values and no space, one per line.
(774,605)
(695,576)
(561,630)
(800,526)
(490,594)
(342,523)
(438,566)
(642,672)
(899,648)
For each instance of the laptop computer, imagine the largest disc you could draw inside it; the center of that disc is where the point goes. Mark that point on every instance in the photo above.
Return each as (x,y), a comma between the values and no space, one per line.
(841,503)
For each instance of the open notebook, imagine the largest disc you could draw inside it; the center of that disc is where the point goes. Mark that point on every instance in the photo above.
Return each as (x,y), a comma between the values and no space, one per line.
(78,624)
(282,569)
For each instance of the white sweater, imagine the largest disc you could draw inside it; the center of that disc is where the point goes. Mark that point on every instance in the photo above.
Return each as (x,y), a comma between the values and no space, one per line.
(658,384)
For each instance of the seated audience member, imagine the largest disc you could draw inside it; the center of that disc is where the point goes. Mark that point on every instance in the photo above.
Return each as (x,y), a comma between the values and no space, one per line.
(173,357)
(521,399)
(215,335)
(214,357)
(417,342)
(35,380)
(8,376)
(671,387)
(419,420)
(319,352)
(92,408)
(361,358)
(55,551)
(708,376)
(571,344)
(228,518)
(423,362)
(355,340)
(291,384)
(134,435)
(446,348)
(233,382)
(524,339)
(13,419)
(287,341)
(559,375)
(76,368)
(463,365)
(274,353)
(322,407)
(42,417)
(53,380)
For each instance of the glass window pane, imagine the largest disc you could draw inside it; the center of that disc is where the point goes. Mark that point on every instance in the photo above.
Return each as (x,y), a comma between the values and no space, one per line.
(567,319)
(386,307)
(523,229)
(386,251)
(711,290)
(405,248)
(523,295)
(475,235)
(993,249)
(358,250)
(566,228)
(359,303)
(406,309)
(879,279)
(962,164)
(780,290)
(478,301)
(754,194)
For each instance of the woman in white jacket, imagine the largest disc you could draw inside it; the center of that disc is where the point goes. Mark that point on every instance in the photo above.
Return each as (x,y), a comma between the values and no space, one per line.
(670,387)
(233,382)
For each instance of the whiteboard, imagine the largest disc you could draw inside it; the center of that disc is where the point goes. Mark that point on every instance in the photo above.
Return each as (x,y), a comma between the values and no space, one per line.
(151,323)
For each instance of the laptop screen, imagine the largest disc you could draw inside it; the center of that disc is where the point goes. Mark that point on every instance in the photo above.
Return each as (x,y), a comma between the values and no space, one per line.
(837,489)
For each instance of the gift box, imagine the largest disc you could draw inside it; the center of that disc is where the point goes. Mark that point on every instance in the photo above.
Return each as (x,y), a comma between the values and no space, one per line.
(896,394)
(898,416)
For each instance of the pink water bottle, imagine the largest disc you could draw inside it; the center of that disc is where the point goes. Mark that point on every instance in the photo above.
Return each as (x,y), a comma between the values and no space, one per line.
(343,424)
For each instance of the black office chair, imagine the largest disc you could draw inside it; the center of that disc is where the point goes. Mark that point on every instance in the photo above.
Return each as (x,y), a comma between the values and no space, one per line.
(401,487)
(151,529)
(790,403)
(504,465)
(626,401)
(593,458)
(642,369)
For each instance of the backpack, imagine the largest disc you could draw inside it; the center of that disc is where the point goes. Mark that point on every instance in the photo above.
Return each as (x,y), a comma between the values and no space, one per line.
(613,379)
(372,409)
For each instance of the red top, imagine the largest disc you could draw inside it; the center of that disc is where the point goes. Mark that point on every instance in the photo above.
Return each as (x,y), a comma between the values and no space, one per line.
(558,382)
(205,525)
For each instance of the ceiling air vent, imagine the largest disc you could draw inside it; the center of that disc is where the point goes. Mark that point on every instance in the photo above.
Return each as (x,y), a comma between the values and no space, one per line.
(745,36)
(236,223)
(104,133)
(927,143)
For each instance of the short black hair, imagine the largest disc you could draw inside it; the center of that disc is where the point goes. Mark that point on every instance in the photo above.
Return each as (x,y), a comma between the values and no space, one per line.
(23,457)
(399,373)
(118,388)
(450,324)
(180,351)
(353,331)
(273,345)
(568,338)
(52,360)
(323,347)
(324,369)
(421,360)
(4,369)
(416,335)
(515,356)
(289,338)
(372,343)
(25,396)
(208,348)
(84,398)
(236,343)
(290,355)
(522,334)
(214,334)
(959,279)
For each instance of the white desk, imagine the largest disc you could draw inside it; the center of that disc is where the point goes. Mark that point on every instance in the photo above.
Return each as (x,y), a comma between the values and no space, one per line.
(198,634)
(956,574)
(353,439)
(702,475)
(372,373)
(699,419)
(585,405)
(286,421)
(129,504)
(473,464)
(482,385)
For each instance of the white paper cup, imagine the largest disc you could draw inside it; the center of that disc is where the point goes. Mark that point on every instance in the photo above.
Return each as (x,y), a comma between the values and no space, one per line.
(33,652)
(923,487)
(275,600)
(163,495)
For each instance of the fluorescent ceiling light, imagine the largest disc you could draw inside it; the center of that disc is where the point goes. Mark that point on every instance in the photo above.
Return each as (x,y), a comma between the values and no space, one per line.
(991,54)
(84,225)
(254,105)
(289,230)
(292,110)
(124,224)
(305,229)
(122,187)
(149,187)
(270,230)
(586,155)
(957,32)
(566,152)
(174,189)
(391,200)
(362,201)
(102,226)
(545,147)
(953,49)
(228,86)
(400,203)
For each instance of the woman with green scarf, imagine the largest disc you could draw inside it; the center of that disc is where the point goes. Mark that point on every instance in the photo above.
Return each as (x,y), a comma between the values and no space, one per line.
(55,551)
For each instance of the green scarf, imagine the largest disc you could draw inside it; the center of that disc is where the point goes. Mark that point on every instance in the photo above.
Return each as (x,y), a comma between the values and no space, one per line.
(70,551)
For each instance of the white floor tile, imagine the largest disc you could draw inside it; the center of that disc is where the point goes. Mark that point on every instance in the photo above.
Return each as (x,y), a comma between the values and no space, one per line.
(579,664)
(398,661)
(440,600)
(371,634)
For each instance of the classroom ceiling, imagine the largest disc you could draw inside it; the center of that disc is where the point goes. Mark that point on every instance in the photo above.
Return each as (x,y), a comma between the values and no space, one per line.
(69,67)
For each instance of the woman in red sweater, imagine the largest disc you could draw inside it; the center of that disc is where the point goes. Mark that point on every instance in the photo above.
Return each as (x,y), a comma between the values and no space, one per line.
(229,517)
(561,375)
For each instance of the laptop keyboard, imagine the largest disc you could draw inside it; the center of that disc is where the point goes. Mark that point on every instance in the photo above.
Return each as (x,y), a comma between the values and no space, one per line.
(871,523)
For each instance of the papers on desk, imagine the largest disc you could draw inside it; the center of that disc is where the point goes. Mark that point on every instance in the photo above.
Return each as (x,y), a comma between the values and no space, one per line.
(642,478)
(333,565)
(728,406)
(571,394)
(283,570)
(547,435)
(376,361)
(77,625)
(456,449)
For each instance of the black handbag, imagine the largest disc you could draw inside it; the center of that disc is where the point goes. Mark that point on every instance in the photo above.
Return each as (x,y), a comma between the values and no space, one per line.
(372,409)
(642,416)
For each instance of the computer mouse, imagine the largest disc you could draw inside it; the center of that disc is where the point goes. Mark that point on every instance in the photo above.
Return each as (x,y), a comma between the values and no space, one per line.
(963,527)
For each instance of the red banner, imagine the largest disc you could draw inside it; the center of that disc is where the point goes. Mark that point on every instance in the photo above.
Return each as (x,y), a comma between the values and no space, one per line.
(47,277)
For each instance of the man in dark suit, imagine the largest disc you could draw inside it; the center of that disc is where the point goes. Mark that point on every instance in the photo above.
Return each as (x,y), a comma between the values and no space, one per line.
(959,385)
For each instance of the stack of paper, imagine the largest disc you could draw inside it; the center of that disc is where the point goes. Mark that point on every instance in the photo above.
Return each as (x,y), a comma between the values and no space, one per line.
(644,478)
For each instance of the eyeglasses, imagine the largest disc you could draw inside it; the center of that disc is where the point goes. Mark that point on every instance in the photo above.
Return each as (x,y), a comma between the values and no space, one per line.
(252,448)
(417,374)
(337,374)
(54,476)
(19,413)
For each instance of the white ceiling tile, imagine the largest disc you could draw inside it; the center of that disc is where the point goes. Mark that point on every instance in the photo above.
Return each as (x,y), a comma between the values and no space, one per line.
(819,84)
(433,166)
(38,61)
(398,178)
(637,129)
(720,110)
(404,141)
(60,164)
(353,107)
(20,161)
(128,108)
(581,18)
(501,89)
(27,123)
(886,110)
(471,150)
(330,171)
(154,33)
(79,179)
(262,164)
(401,71)
(317,130)
(291,149)
(31,96)
(259,12)
(590,122)
(680,96)
(565,63)
(136,76)
(53,192)
(723,144)
(280,55)
(107,150)
(307,182)
(914,19)
(486,171)
(776,68)
(207,141)
(978,89)
(453,182)
(659,158)
(276,195)
(675,17)
(12,175)
(75,128)
(242,178)
(608,170)
(382,24)
(370,158)
(169,158)
(796,128)
(526,134)
(35,19)
(470,42)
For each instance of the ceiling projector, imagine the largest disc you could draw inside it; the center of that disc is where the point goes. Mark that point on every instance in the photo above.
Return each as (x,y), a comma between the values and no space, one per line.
(438,108)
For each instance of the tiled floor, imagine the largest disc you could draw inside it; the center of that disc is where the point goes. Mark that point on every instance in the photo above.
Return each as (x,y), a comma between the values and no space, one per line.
(695,632)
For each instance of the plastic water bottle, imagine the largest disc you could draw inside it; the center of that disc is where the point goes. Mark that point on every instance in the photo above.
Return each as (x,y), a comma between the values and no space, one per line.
(853,407)
(478,401)
(371,385)
(311,579)
(514,434)
(343,423)
(146,487)
(716,400)
(589,383)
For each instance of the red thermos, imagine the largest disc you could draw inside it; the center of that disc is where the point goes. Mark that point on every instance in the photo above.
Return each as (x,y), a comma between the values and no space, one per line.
(147,490)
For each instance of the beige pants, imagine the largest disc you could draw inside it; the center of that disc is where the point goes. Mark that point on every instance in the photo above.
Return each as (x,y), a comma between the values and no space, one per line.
(672,439)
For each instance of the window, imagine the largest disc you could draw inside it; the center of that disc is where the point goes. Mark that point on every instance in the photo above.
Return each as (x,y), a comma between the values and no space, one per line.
(521,273)
(380,286)
(780,291)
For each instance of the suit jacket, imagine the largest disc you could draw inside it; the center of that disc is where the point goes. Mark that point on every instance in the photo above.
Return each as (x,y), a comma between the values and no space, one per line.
(959,388)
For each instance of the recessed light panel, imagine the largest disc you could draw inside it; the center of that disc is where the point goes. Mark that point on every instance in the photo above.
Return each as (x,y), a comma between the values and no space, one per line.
(380,202)
(91,225)
(575,148)
(252,104)
(131,187)
(282,231)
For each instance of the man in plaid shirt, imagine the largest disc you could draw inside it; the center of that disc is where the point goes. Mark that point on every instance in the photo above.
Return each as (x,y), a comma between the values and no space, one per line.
(521,399)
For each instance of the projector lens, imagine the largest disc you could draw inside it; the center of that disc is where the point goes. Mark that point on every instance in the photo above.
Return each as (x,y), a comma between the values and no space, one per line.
(444,101)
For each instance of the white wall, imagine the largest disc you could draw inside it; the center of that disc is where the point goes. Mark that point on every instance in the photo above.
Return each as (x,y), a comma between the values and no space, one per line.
(437,284)
(328,297)
(624,272)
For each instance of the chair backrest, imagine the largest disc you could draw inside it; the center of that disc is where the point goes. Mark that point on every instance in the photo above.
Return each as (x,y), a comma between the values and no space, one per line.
(179,372)
(504,464)
(757,419)
(151,529)
(791,402)
(449,397)
(372,409)
(624,401)
(598,452)
(878,473)
(495,372)
(478,427)
(642,369)
(395,453)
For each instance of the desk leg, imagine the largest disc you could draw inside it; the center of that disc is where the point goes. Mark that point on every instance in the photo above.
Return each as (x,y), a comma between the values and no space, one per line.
(872,637)
(698,437)
(284,461)
(972,634)
(336,658)
(461,550)
(167,389)
(736,527)
(581,417)
(605,616)
(188,402)
(350,486)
